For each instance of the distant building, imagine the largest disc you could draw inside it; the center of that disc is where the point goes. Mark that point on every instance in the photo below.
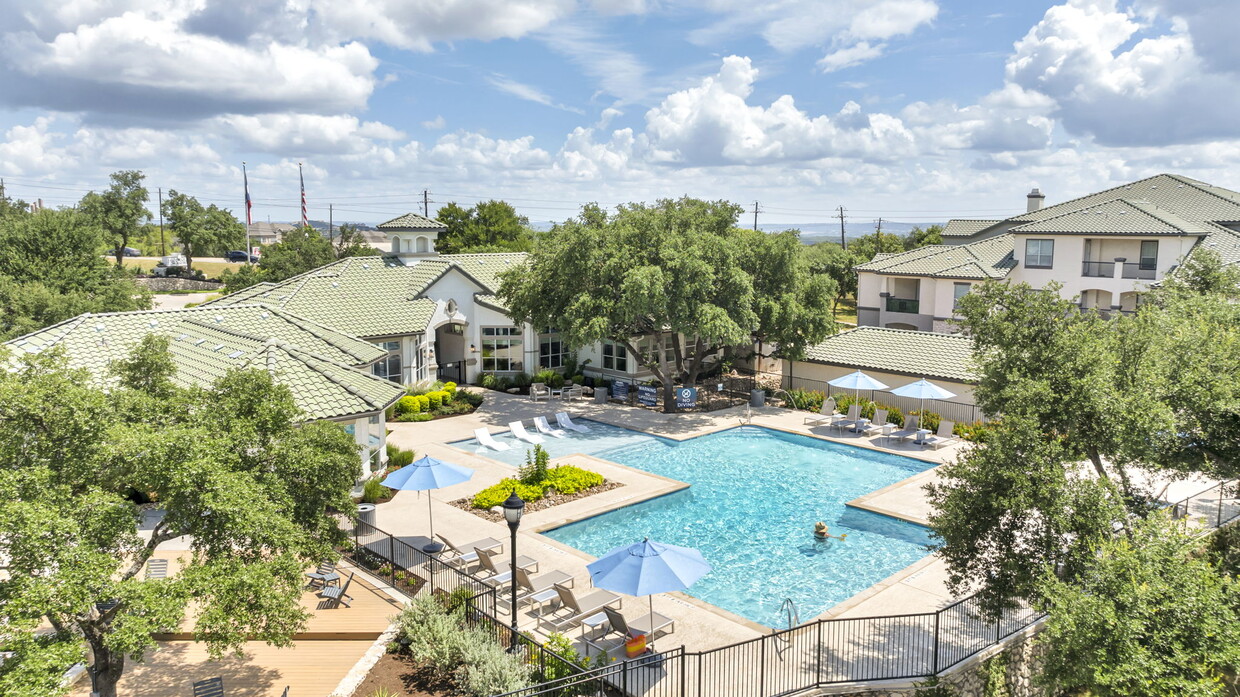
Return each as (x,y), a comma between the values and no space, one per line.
(268,233)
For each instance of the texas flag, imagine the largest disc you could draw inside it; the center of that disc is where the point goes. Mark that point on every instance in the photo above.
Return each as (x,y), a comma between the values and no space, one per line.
(249,219)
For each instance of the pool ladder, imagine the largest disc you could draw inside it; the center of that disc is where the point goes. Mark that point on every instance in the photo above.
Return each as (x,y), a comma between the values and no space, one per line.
(789,610)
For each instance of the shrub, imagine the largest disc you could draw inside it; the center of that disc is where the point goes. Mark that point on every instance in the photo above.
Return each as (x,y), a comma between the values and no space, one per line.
(435,400)
(568,479)
(978,431)
(418,418)
(809,400)
(550,378)
(486,669)
(385,570)
(372,491)
(496,494)
(488,381)
(929,420)
(520,380)
(570,366)
(534,471)
(579,379)
(438,639)
(398,456)
(458,599)
(434,635)
(473,399)
(405,405)
(399,576)
(449,388)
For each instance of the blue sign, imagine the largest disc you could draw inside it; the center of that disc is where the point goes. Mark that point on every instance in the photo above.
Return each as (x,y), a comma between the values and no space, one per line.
(686,397)
(620,390)
(647,395)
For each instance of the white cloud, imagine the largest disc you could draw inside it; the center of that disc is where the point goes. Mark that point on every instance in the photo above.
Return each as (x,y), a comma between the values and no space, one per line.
(306,134)
(618,72)
(419,24)
(32,150)
(436,124)
(850,56)
(529,93)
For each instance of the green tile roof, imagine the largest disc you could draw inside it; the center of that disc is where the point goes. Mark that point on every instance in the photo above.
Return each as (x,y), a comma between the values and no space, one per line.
(1115,217)
(959,227)
(929,354)
(412,221)
(485,268)
(1185,197)
(989,258)
(313,361)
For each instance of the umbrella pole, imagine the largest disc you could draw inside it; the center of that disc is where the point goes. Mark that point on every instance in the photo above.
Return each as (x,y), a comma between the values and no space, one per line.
(430,515)
(650,600)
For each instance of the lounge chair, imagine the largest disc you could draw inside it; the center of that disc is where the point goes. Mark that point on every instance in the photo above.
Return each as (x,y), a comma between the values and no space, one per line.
(540,588)
(337,595)
(325,575)
(944,436)
(539,391)
(910,428)
(211,687)
(826,415)
(466,554)
(574,610)
(540,422)
(876,426)
(486,439)
(566,423)
(518,430)
(499,573)
(849,421)
(649,625)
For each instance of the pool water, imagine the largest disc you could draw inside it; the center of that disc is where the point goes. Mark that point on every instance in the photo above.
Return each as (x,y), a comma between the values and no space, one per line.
(755,495)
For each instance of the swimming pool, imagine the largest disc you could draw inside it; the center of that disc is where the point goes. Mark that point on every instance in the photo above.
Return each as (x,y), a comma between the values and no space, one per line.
(755,495)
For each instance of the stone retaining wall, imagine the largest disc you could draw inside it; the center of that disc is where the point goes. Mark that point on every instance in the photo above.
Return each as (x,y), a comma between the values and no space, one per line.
(165,285)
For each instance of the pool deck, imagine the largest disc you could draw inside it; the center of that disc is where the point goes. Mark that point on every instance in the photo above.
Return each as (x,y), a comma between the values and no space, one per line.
(699,625)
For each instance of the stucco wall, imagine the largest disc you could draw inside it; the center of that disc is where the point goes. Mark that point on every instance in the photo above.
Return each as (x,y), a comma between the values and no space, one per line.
(1070,253)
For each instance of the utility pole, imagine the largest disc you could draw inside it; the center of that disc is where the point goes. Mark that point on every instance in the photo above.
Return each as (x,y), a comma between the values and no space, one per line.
(163,247)
(329,222)
(426,203)
(843,242)
(1,189)
(755,216)
(880,226)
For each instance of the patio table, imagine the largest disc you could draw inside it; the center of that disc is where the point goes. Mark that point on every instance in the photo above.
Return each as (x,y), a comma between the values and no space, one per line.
(888,429)
(860,426)
(921,436)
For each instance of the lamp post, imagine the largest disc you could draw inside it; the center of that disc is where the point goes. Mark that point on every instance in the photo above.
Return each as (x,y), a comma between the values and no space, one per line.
(513,508)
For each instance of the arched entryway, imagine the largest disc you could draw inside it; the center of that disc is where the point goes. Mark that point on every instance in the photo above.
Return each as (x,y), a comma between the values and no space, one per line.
(1097,299)
(450,352)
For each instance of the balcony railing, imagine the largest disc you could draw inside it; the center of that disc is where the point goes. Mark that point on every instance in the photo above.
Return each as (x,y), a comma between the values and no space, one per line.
(1098,269)
(902,305)
(1139,271)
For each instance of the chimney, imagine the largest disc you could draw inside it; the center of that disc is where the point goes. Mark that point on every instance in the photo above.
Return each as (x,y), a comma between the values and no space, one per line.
(1035,199)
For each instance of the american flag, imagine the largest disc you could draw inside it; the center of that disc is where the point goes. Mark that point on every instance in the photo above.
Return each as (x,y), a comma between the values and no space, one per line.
(249,219)
(305,221)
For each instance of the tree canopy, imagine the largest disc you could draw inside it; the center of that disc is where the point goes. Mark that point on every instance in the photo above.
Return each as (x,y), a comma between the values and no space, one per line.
(119,210)
(51,270)
(297,252)
(202,231)
(677,269)
(230,468)
(487,226)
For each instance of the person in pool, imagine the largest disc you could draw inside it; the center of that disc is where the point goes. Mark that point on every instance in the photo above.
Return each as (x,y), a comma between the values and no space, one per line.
(822,532)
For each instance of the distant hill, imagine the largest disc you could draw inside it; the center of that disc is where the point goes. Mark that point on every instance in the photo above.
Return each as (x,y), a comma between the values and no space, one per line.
(322,225)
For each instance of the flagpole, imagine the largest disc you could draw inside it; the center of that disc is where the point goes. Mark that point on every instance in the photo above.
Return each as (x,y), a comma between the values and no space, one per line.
(245,178)
(305,222)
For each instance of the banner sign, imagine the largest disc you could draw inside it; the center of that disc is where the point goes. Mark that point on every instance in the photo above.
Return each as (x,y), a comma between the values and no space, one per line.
(620,390)
(648,395)
(686,397)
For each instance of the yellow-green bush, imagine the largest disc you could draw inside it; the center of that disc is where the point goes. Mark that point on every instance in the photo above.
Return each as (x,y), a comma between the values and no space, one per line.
(406,404)
(568,479)
(496,494)
(449,388)
(435,399)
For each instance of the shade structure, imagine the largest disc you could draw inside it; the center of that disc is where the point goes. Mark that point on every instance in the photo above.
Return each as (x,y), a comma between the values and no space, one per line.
(424,474)
(857,381)
(922,390)
(646,568)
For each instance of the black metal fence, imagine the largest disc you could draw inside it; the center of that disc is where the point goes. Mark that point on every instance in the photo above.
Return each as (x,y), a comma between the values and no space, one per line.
(710,394)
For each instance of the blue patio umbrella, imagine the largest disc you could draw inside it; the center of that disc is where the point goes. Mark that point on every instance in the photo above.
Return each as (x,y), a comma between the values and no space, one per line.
(646,568)
(857,381)
(922,390)
(424,474)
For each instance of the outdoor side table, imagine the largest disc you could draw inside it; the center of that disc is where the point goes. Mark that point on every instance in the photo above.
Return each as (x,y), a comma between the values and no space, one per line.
(921,436)
(860,426)
(888,429)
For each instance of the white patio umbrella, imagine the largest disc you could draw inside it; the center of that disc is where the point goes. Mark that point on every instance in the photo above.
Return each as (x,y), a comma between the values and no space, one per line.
(922,390)
(857,381)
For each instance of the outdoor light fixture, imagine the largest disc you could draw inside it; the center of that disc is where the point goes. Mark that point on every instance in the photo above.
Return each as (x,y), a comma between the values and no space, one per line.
(513,508)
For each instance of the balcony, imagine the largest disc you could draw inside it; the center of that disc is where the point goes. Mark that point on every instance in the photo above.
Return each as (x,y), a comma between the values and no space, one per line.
(903,305)
(1098,269)
(1144,272)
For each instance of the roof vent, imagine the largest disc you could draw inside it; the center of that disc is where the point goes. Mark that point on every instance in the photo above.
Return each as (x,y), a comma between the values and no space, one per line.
(335,284)
(219,319)
(1153,186)
(200,342)
(154,323)
(265,315)
(365,266)
(182,337)
(218,347)
(100,327)
(236,354)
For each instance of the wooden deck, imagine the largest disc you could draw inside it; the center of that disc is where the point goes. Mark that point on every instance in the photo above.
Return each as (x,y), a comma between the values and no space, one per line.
(333,641)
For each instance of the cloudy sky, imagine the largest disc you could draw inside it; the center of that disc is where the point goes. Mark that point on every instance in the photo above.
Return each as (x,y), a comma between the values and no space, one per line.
(908,109)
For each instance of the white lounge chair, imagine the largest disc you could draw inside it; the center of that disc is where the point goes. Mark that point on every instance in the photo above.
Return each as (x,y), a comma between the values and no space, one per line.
(518,430)
(562,419)
(826,415)
(539,390)
(910,428)
(944,436)
(490,442)
(849,421)
(876,426)
(540,422)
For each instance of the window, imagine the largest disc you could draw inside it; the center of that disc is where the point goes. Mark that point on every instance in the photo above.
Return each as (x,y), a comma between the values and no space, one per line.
(1039,254)
(649,348)
(551,349)
(501,349)
(1149,255)
(615,357)
(389,367)
(959,290)
(423,245)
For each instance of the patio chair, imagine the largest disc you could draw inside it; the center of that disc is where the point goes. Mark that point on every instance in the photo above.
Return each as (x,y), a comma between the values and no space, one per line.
(518,430)
(325,575)
(849,421)
(572,392)
(499,573)
(466,554)
(539,390)
(337,595)
(489,441)
(156,568)
(562,419)
(540,588)
(540,422)
(910,428)
(574,610)
(826,415)
(944,435)
(649,624)
(211,687)
(876,426)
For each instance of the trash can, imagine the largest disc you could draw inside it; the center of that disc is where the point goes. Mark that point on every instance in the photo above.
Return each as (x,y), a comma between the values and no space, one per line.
(365,518)
(757,398)
(600,395)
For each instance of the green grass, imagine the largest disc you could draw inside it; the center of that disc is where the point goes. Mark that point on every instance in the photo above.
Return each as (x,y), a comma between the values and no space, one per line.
(212,269)
(846,310)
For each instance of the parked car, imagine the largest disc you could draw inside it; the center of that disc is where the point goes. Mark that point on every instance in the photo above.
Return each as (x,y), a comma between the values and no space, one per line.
(129,252)
(240,256)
